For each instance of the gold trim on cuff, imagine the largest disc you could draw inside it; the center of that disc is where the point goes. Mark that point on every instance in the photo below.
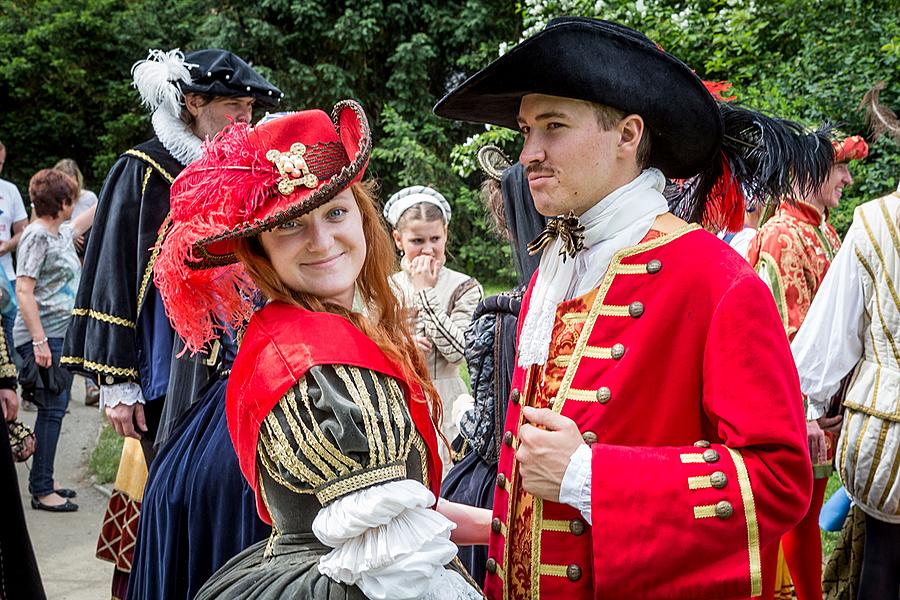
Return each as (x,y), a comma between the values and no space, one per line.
(101,316)
(752,525)
(359,481)
(123,372)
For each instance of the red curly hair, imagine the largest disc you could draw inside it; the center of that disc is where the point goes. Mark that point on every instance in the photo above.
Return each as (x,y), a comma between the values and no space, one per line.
(391,329)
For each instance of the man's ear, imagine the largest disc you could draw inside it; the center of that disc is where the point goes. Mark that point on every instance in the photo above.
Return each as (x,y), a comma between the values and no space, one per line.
(193,102)
(631,131)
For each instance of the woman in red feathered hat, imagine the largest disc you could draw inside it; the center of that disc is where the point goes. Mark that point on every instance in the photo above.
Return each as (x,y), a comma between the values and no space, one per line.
(329,411)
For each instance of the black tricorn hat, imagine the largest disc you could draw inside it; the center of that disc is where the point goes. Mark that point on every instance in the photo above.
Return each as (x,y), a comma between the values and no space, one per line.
(222,73)
(606,63)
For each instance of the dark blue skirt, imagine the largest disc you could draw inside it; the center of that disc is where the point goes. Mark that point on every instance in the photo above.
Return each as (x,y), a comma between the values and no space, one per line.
(471,481)
(198,511)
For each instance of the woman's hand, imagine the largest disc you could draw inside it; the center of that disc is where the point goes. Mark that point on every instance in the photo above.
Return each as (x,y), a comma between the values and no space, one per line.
(473,524)
(9,402)
(42,355)
(423,272)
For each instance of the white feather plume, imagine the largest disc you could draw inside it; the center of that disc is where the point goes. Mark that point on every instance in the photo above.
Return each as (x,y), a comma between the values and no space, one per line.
(155,76)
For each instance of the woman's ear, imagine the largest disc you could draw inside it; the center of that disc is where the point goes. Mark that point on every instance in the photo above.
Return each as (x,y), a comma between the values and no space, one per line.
(398,239)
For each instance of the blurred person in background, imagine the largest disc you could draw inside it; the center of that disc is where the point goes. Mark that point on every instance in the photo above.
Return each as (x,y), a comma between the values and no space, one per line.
(792,252)
(442,300)
(47,277)
(13,219)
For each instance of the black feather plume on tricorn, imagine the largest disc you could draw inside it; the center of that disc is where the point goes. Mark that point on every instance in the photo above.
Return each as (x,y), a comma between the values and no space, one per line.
(762,159)
(881,119)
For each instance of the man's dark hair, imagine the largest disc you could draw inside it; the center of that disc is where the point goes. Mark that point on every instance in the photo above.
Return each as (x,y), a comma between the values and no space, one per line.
(50,190)
(608,117)
(186,115)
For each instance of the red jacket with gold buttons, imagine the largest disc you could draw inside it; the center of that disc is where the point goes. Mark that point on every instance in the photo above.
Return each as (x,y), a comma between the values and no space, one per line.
(683,375)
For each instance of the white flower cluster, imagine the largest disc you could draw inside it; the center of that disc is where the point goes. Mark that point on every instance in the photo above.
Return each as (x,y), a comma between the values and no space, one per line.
(682,19)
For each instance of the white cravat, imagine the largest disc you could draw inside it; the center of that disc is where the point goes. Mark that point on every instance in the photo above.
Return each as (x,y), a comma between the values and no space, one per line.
(620,220)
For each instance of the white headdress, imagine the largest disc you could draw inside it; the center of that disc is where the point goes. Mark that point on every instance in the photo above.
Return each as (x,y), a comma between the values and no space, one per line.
(409,197)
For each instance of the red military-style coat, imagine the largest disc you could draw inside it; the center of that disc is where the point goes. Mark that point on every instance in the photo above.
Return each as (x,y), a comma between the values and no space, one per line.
(678,372)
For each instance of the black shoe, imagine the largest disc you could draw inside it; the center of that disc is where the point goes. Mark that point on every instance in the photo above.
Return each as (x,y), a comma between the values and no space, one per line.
(92,397)
(66,493)
(66,507)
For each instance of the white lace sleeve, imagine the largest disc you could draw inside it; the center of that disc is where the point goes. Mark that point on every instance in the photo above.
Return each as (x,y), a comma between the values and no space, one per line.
(128,393)
(390,543)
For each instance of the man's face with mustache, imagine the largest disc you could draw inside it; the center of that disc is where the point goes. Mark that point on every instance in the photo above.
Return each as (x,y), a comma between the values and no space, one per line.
(568,157)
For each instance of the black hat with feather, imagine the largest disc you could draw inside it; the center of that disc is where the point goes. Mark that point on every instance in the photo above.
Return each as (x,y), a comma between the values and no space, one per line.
(713,150)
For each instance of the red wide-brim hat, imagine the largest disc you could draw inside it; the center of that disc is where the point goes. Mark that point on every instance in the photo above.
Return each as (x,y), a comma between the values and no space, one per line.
(249,180)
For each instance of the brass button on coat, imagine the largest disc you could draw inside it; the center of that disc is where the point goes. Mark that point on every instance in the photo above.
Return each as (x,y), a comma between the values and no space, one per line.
(491,566)
(508,438)
(618,351)
(573,572)
(636,309)
(514,396)
(495,525)
(724,510)
(710,456)
(718,479)
(589,437)
(576,526)
(501,481)
(110,380)
(654,266)
(701,444)
(603,395)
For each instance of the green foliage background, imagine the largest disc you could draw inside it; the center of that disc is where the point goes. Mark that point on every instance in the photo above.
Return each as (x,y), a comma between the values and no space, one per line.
(65,82)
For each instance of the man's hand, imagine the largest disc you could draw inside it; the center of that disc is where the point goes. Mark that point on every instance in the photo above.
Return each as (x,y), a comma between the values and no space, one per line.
(4,247)
(9,401)
(815,436)
(123,416)
(544,454)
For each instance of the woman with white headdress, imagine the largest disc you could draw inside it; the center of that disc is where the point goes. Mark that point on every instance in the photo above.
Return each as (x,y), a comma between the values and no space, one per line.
(442,300)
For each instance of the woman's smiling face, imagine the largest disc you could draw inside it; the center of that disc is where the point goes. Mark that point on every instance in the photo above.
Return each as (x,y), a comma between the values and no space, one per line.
(321,253)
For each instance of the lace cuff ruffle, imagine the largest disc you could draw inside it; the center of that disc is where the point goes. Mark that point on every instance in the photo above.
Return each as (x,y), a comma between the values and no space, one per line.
(389,542)
(128,393)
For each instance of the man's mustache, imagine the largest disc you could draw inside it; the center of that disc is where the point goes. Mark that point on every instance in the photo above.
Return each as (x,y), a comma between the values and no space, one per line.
(538,168)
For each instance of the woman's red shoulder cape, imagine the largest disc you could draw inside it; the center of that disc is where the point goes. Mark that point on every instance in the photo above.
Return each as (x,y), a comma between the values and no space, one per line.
(281,343)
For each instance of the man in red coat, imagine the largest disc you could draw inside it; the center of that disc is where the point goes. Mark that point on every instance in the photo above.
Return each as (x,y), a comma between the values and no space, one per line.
(792,252)
(644,454)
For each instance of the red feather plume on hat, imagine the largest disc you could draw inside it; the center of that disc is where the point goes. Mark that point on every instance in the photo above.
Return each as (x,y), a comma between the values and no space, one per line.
(200,302)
